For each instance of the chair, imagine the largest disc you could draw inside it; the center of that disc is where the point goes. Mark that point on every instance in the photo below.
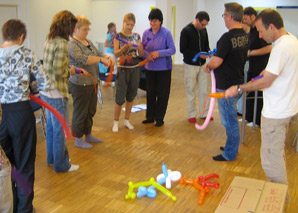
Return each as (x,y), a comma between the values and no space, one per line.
(256,97)
(36,107)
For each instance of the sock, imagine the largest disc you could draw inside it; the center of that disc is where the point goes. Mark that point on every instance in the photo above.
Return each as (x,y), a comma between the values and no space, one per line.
(115,126)
(73,168)
(90,138)
(128,125)
(219,158)
(82,144)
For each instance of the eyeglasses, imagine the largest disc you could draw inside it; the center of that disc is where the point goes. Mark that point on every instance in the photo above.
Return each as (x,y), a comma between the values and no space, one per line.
(225,14)
(203,25)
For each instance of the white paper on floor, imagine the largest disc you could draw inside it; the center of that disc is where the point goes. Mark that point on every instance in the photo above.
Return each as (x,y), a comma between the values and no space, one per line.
(137,108)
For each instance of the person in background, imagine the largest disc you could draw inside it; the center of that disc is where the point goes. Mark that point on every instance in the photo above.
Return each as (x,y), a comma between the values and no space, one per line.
(228,65)
(56,64)
(17,128)
(194,39)
(158,48)
(128,73)
(109,43)
(258,55)
(82,53)
(280,89)
(246,28)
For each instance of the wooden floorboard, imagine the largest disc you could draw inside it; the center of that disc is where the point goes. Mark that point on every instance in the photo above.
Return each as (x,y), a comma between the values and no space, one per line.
(101,183)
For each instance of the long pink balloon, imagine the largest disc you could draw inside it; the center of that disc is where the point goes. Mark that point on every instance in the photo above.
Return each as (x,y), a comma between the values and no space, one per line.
(211,105)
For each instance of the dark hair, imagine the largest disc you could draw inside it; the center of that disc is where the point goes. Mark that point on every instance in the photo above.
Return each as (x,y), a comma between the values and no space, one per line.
(236,11)
(269,16)
(155,14)
(202,15)
(13,29)
(249,11)
(63,25)
(110,25)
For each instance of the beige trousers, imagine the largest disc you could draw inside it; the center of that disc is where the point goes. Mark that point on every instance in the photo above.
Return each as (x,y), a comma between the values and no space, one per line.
(6,199)
(196,80)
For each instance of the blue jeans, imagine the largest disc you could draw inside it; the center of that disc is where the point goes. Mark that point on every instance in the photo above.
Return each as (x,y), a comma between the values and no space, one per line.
(228,115)
(57,153)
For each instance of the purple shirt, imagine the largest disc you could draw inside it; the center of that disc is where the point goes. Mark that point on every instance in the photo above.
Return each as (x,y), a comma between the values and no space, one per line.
(162,42)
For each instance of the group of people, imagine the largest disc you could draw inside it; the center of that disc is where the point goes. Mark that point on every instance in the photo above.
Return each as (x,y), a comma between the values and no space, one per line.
(272,55)
(157,46)
(70,65)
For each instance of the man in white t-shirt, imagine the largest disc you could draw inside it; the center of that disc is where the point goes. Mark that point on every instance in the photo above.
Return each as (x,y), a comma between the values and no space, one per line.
(280,84)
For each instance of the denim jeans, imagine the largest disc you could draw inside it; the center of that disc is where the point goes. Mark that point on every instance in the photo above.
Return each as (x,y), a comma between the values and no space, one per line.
(57,153)
(228,115)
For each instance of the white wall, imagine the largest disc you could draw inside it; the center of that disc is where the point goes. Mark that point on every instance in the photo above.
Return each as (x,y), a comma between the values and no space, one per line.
(104,12)
(215,8)
(38,14)
(183,18)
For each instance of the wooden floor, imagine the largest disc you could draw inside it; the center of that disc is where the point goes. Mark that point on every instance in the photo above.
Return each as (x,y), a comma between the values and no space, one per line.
(100,185)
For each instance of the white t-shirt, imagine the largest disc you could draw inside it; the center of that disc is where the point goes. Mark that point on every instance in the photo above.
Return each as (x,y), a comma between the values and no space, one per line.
(281,98)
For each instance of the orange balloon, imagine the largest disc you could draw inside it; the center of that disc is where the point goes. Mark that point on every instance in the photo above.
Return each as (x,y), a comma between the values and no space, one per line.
(217,95)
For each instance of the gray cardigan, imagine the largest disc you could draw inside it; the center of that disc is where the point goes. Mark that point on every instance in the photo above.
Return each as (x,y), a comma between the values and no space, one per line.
(78,56)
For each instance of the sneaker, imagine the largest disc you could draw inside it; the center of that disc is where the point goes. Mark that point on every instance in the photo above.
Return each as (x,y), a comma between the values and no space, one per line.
(251,124)
(192,120)
(73,168)
(211,118)
(240,120)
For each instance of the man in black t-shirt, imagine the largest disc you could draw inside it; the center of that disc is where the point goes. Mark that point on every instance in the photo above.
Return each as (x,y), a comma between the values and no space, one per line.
(258,53)
(194,39)
(228,65)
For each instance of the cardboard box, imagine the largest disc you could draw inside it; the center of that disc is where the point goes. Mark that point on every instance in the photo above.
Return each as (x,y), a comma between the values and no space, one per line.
(253,196)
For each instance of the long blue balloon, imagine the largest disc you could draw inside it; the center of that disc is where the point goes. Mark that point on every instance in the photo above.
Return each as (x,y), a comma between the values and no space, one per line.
(195,58)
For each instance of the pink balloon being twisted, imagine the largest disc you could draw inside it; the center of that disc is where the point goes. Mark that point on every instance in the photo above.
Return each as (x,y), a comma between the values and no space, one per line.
(211,105)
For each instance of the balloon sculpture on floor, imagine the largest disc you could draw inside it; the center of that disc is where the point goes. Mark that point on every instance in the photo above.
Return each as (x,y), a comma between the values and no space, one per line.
(165,178)
(201,184)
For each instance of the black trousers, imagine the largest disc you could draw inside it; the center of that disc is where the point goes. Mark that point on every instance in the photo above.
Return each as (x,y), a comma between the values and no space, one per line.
(84,108)
(18,140)
(158,85)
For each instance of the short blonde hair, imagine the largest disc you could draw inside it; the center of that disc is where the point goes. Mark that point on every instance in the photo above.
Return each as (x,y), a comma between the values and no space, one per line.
(82,20)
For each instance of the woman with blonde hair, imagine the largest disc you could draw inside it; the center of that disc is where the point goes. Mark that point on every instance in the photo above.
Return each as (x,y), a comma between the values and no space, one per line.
(128,74)
(56,64)
(84,54)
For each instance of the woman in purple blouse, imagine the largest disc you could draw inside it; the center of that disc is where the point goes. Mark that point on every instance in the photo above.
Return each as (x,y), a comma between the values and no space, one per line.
(158,48)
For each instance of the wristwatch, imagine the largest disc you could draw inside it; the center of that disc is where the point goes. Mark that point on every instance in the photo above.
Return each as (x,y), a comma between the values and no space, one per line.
(239,89)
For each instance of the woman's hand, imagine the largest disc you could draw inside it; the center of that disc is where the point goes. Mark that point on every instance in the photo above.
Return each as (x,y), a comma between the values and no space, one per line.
(154,54)
(105,61)
(83,72)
